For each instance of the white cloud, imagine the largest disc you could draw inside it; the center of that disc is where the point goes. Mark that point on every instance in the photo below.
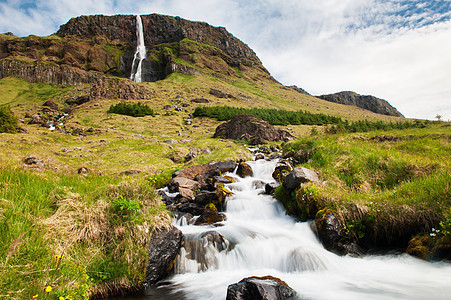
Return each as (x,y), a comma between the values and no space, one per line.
(397,50)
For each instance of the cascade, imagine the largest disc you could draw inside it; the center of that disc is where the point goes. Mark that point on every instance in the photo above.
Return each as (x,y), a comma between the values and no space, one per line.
(140,54)
(259,239)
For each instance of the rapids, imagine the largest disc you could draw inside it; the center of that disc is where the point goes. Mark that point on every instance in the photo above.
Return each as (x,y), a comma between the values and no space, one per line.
(262,240)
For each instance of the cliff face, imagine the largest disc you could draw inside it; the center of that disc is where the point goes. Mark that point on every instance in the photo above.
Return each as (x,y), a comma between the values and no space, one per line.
(106,45)
(159,29)
(368,102)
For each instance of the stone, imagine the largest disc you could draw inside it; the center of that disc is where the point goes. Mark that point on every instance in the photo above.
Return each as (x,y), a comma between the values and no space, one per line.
(78,100)
(131,172)
(246,127)
(210,216)
(244,170)
(259,156)
(189,207)
(193,153)
(34,161)
(260,288)
(163,248)
(37,119)
(84,170)
(218,93)
(182,182)
(281,171)
(200,100)
(299,175)
(51,104)
(170,141)
(330,232)
(225,166)
(205,197)
(270,188)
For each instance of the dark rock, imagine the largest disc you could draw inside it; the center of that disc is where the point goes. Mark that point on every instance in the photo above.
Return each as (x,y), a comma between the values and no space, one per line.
(84,170)
(259,156)
(209,216)
(281,171)
(205,197)
(130,172)
(167,107)
(223,179)
(78,100)
(258,184)
(371,103)
(260,288)
(33,160)
(299,175)
(244,170)
(248,127)
(330,231)
(298,89)
(270,188)
(51,104)
(216,239)
(185,105)
(189,207)
(193,153)
(37,119)
(200,100)
(217,93)
(225,166)
(257,140)
(164,246)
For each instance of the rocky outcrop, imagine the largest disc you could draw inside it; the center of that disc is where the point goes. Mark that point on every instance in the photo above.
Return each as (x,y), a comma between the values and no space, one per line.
(116,88)
(368,102)
(252,129)
(163,248)
(260,288)
(48,73)
(159,29)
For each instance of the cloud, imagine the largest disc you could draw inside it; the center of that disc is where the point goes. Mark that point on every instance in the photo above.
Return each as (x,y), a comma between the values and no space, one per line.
(394,49)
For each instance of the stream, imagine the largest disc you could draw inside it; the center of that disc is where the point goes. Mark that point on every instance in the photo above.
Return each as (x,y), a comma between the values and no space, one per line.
(260,239)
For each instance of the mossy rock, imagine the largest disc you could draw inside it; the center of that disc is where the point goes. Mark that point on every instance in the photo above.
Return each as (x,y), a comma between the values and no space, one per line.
(244,170)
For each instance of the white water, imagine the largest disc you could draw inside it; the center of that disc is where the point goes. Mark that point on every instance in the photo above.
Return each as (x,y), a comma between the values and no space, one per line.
(140,53)
(267,242)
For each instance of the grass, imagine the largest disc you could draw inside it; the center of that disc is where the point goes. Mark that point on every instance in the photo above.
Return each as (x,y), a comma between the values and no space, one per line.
(387,192)
(47,214)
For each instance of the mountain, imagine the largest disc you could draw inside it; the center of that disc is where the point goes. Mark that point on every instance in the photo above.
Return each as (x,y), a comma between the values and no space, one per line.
(99,50)
(368,102)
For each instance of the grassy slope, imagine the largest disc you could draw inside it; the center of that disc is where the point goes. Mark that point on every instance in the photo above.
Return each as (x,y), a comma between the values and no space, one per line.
(57,192)
(385,192)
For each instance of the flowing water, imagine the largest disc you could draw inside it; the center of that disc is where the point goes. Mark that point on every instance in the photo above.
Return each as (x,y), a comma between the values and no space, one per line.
(140,54)
(261,240)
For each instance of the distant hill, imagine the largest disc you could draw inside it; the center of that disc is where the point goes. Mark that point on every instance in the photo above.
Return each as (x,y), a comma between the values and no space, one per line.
(368,102)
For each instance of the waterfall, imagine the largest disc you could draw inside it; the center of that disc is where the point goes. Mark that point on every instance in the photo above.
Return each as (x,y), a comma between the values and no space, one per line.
(140,54)
(259,239)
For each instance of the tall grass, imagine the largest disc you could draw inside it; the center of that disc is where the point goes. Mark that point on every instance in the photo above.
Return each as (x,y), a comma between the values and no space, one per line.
(64,232)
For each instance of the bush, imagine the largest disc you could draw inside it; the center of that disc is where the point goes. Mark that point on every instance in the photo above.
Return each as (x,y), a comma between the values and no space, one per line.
(8,122)
(133,110)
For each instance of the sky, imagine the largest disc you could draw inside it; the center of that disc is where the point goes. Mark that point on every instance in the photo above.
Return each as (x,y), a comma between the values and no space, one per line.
(398,50)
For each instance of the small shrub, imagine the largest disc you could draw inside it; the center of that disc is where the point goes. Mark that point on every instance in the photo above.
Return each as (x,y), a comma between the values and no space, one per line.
(133,110)
(8,122)
(125,206)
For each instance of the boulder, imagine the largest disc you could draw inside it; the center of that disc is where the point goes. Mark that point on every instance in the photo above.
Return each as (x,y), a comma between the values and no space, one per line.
(246,127)
(164,246)
(34,161)
(205,197)
(200,100)
(225,166)
(299,175)
(244,170)
(210,216)
(330,231)
(270,188)
(281,171)
(183,183)
(259,156)
(51,104)
(260,288)
(189,208)
(215,239)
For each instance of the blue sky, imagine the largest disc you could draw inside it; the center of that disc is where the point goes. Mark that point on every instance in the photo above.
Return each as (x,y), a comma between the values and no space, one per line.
(398,50)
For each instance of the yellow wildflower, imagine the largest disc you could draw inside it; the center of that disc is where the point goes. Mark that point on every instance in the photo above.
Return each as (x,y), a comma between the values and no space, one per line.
(57,256)
(35,296)
(48,289)
(61,298)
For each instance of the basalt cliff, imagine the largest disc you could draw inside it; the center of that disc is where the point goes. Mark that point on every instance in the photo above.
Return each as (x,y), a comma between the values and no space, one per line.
(88,47)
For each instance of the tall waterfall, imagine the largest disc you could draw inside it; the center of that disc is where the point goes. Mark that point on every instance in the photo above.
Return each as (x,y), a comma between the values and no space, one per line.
(140,54)
(260,239)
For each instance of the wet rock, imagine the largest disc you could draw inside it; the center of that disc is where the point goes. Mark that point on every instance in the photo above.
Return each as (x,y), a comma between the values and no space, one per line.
(209,216)
(299,175)
(258,184)
(205,197)
(259,156)
(270,188)
(34,161)
(330,231)
(260,288)
(225,166)
(223,179)
(215,239)
(244,170)
(163,249)
(189,207)
(281,171)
